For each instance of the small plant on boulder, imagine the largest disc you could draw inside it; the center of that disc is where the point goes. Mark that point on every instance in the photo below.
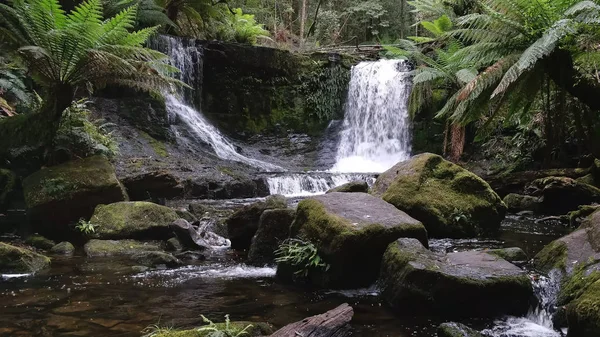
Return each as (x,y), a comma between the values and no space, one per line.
(226,330)
(300,254)
(85,227)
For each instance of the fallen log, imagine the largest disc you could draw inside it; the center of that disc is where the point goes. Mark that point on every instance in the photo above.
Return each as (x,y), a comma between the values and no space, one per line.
(334,323)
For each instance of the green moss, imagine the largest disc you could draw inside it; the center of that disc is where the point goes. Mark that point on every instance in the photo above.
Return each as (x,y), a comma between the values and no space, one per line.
(577,284)
(584,313)
(39,242)
(128,219)
(19,260)
(553,256)
(230,172)
(160,148)
(456,330)
(95,248)
(257,329)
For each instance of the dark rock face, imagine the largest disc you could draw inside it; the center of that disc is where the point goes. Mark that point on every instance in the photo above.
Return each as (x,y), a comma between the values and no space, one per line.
(16,260)
(236,188)
(158,184)
(351,232)
(59,195)
(243,224)
(561,195)
(352,187)
(462,284)
(449,200)
(273,228)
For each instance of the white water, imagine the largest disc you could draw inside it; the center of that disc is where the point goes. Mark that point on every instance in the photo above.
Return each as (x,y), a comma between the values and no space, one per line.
(376,129)
(188,59)
(174,277)
(302,185)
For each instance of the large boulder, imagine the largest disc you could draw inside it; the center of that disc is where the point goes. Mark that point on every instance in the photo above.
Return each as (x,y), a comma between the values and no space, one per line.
(59,195)
(273,228)
(143,253)
(561,195)
(17,260)
(463,284)
(351,231)
(243,224)
(8,183)
(449,200)
(132,220)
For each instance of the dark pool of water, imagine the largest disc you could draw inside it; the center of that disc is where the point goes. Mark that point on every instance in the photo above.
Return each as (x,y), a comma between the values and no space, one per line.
(80,297)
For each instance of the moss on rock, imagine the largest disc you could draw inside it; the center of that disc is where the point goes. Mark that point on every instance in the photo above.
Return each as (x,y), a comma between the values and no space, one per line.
(358,186)
(15,260)
(517,203)
(449,200)
(256,329)
(39,242)
(513,254)
(63,248)
(129,220)
(273,228)
(452,329)
(143,253)
(552,256)
(583,314)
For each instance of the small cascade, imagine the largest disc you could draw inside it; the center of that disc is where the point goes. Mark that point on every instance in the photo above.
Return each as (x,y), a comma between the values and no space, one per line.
(376,130)
(187,57)
(302,184)
(205,230)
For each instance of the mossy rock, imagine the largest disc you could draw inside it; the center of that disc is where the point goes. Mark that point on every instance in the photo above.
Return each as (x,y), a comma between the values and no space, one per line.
(8,183)
(517,203)
(60,195)
(17,260)
(63,248)
(273,228)
(256,329)
(351,231)
(512,254)
(243,224)
(416,280)
(22,142)
(561,195)
(453,329)
(39,242)
(449,200)
(552,256)
(583,313)
(132,220)
(358,186)
(143,253)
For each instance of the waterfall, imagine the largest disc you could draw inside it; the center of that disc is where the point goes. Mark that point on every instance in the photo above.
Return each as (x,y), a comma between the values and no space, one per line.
(314,183)
(376,130)
(187,57)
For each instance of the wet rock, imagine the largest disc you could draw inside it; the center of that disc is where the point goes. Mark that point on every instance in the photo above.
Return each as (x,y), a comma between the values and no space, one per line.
(449,200)
(254,330)
(63,248)
(273,228)
(243,224)
(353,186)
(561,195)
(457,285)
(513,254)
(231,186)
(187,216)
(517,203)
(17,260)
(8,183)
(144,253)
(174,245)
(59,195)
(153,185)
(453,329)
(351,232)
(190,256)
(132,220)
(39,242)
(188,235)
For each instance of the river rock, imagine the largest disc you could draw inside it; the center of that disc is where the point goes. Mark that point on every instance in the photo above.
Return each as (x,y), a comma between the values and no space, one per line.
(188,235)
(243,224)
(353,186)
(132,220)
(453,329)
(174,245)
(63,248)
(560,195)
(351,232)
(518,202)
(273,228)
(512,254)
(153,185)
(463,284)
(144,253)
(17,260)
(449,200)
(39,242)
(59,195)
(8,183)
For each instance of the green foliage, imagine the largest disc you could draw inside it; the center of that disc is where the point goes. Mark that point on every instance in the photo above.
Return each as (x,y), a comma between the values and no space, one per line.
(300,254)
(85,227)
(324,91)
(242,28)
(228,330)
(13,90)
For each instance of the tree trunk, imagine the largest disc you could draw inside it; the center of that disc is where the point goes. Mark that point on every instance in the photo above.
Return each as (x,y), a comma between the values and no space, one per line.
(334,323)
(58,100)
(302,22)
(561,70)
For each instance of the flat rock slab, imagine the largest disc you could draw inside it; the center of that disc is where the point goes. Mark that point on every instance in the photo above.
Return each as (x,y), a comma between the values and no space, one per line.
(464,284)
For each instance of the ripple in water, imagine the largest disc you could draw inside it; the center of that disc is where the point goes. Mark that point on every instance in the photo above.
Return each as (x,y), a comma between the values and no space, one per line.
(172,277)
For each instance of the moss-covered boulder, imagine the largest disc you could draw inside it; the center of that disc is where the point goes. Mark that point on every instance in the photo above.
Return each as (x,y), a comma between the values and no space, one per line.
(453,329)
(143,253)
(517,203)
(63,248)
(132,220)
(358,186)
(560,195)
(351,231)
(253,330)
(449,200)
(463,284)
(39,242)
(8,183)
(583,312)
(512,254)
(273,228)
(59,195)
(17,260)
(243,224)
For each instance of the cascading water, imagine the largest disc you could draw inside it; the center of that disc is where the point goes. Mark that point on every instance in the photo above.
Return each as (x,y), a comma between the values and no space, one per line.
(188,59)
(376,129)
(301,185)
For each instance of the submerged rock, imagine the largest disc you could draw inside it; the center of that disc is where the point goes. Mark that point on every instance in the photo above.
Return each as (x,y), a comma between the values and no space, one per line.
(560,195)
(39,242)
(243,224)
(351,232)
(253,330)
(273,228)
(132,220)
(353,186)
(143,253)
(63,248)
(59,195)
(463,284)
(517,203)
(453,329)
(17,260)
(449,200)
